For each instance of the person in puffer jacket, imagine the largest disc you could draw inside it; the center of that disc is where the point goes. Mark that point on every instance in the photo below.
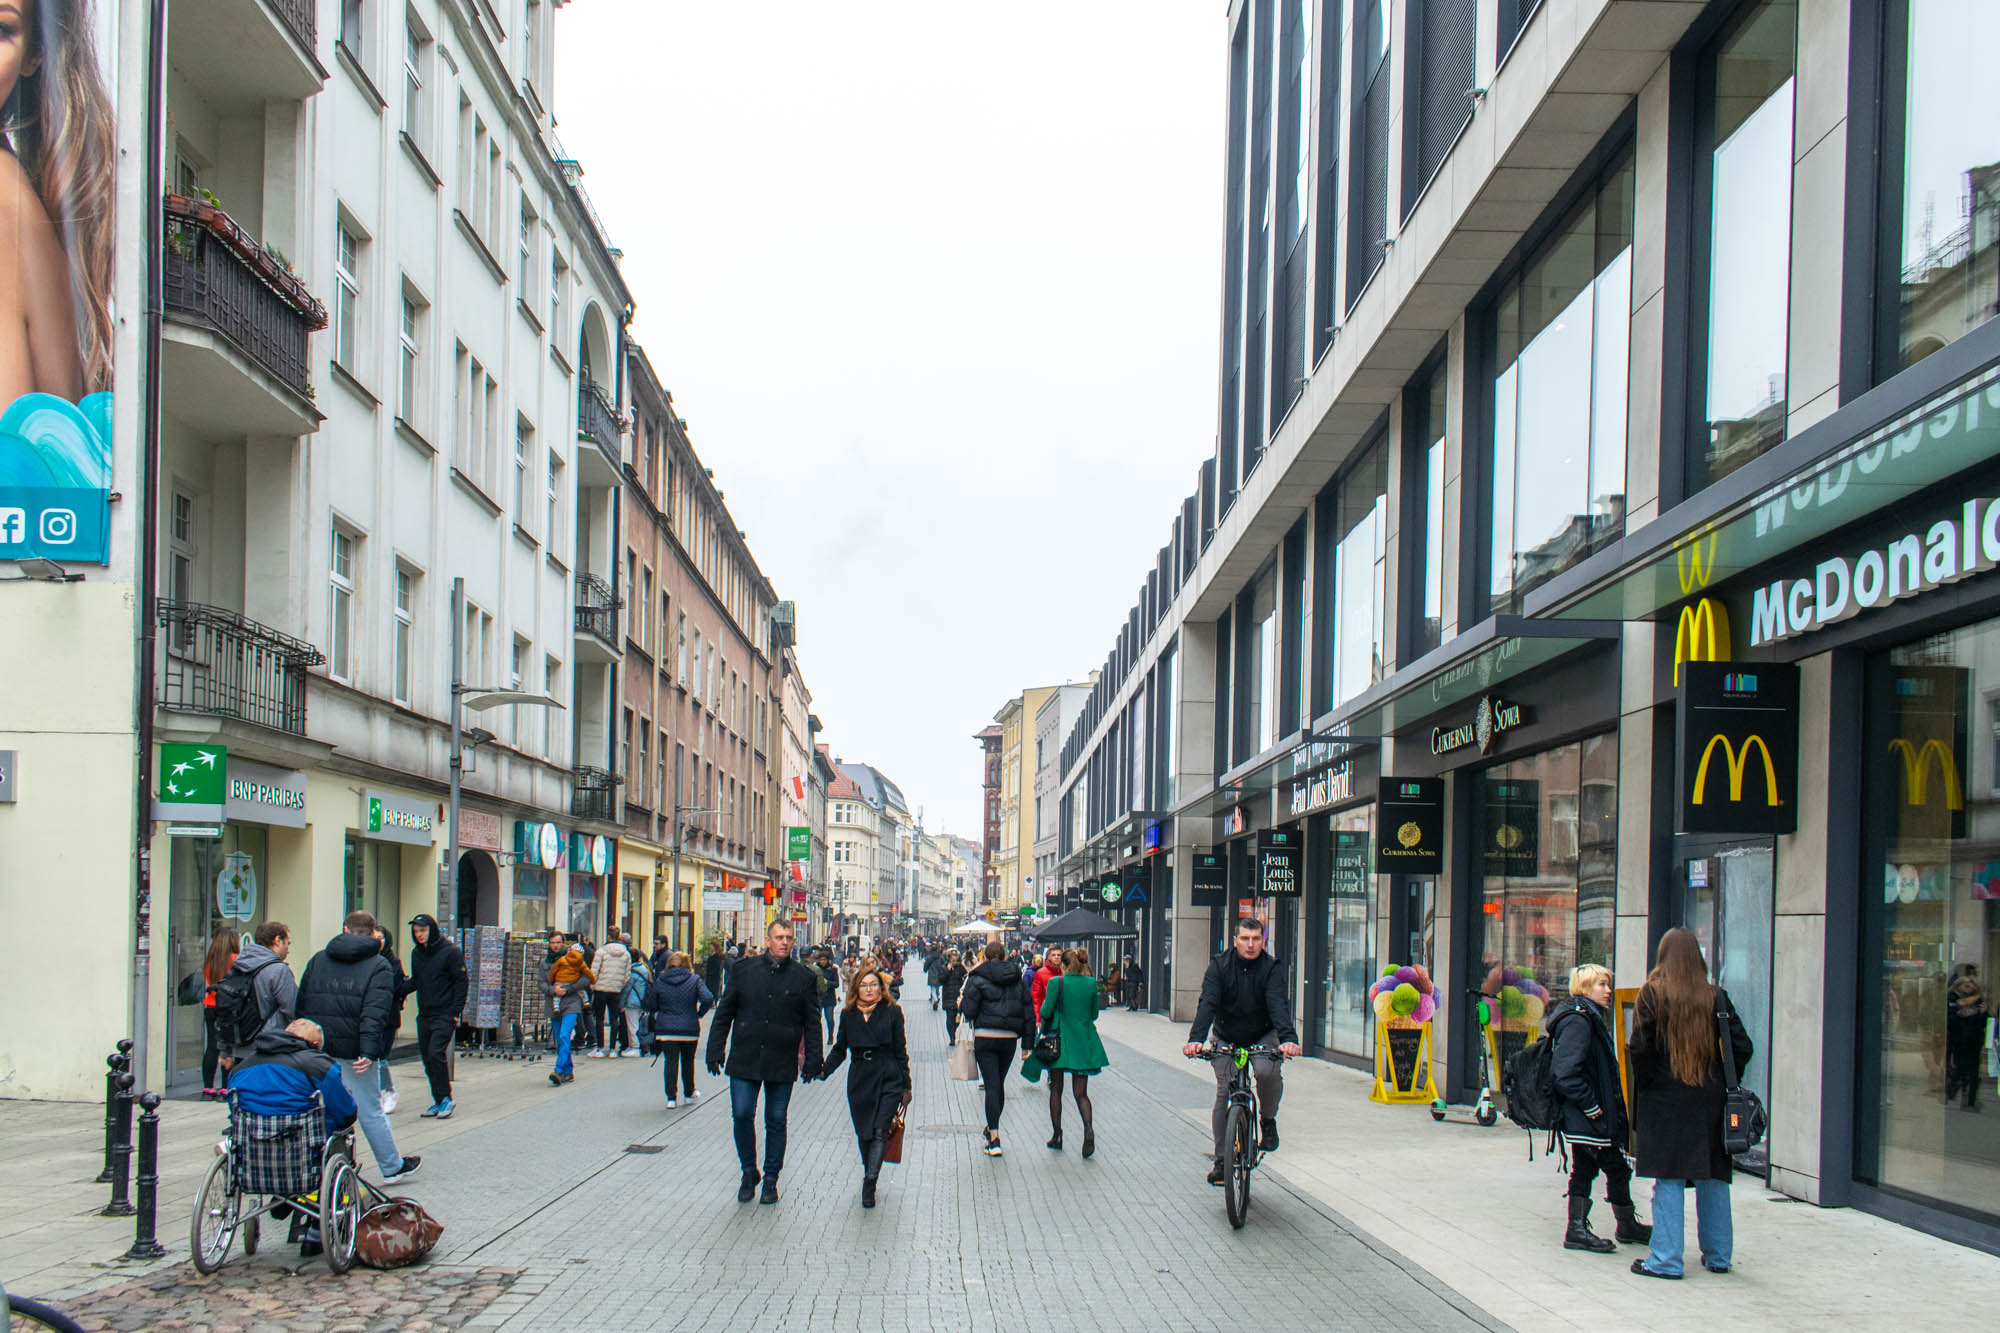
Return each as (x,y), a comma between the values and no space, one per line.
(613,968)
(677,999)
(1584,1066)
(995,1002)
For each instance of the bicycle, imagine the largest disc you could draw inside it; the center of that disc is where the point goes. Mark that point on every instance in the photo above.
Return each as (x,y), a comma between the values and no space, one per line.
(20,1312)
(1241,1143)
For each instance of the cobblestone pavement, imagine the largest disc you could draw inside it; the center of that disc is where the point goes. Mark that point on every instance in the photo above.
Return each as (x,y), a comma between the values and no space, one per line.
(303,1298)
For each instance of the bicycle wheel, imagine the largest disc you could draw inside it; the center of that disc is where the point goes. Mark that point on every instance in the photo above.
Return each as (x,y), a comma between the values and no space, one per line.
(1236,1162)
(339,1211)
(213,1225)
(23,1313)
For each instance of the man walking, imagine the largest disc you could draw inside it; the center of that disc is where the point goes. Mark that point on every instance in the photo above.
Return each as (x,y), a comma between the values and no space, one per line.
(1135,983)
(829,991)
(610,970)
(1243,996)
(273,988)
(438,977)
(348,990)
(771,1004)
(563,985)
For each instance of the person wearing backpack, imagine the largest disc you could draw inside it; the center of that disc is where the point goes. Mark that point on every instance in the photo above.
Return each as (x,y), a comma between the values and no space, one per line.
(258,994)
(1584,1069)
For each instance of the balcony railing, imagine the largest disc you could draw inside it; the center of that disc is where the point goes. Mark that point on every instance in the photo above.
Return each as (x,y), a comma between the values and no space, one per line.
(596,419)
(597,608)
(300,18)
(215,272)
(225,665)
(595,795)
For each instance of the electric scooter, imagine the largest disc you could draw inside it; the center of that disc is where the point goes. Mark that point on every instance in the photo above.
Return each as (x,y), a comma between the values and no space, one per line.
(1484,1112)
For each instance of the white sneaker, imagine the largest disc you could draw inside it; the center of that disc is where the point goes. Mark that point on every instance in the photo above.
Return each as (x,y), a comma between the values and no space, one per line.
(672,1105)
(694,1096)
(389,1102)
(597,1055)
(630,1050)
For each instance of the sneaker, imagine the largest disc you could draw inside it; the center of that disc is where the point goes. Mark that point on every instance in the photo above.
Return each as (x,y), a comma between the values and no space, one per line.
(693,1096)
(1270,1141)
(673,1105)
(555,1080)
(429,1112)
(630,1050)
(1215,1174)
(597,1055)
(445,1108)
(408,1169)
(389,1102)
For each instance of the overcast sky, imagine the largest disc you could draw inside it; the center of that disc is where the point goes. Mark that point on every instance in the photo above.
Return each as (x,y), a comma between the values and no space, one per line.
(935,285)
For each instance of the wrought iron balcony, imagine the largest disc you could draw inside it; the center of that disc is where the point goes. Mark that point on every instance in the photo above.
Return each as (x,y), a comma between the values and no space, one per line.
(216,273)
(223,664)
(597,609)
(597,419)
(298,15)
(595,795)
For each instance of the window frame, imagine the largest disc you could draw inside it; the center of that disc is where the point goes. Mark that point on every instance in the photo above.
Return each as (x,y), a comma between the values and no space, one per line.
(403,649)
(342,592)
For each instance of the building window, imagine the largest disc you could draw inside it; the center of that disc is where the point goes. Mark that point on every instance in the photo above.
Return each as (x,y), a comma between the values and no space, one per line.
(406,634)
(1257,668)
(1440,63)
(1561,335)
(340,637)
(554,530)
(531,45)
(644,766)
(1425,428)
(551,685)
(346,296)
(525,254)
(409,360)
(524,439)
(558,279)
(1353,553)
(1326,207)
(681,648)
(625,745)
(1289,360)
(1747,102)
(417,49)
(1940,176)
(354,30)
(1368,182)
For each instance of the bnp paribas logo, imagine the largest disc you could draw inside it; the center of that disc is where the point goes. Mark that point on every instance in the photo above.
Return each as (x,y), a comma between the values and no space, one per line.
(374,814)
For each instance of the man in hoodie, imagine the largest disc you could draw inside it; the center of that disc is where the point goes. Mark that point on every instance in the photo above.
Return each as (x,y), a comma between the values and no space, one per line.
(283,1073)
(348,990)
(438,977)
(272,983)
(564,985)
(610,970)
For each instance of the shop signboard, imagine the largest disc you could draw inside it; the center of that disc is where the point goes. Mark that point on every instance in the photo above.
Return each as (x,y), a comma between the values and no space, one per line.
(478,829)
(1351,865)
(1278,870)
(257,794)
(236,887)
(1738,747)
(722,900)
(1334,785)
(1491,718)
(1513,827)
(1210,884)
(194,780)
(589,854)
(1409,815)
(538,844)
(394,818)
(1928,708)
(798,843)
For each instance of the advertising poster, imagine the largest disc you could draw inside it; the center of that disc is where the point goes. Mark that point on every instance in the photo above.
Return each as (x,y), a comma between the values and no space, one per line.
(56,313)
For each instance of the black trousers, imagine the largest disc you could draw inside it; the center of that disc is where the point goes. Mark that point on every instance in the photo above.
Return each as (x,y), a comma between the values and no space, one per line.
(677,1057)
(1585,1164)
(434,1040)
(994,1055)
(607,1019)
(951,1021)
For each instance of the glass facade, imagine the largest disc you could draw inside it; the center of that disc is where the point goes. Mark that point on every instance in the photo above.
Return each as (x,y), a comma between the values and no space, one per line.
(531,901)
(1347,1025)
(1427,541)
(1749,91)
(1353,552)
(1561,337)
(372,880)
(199,906)
(1931,935)
(1948,194)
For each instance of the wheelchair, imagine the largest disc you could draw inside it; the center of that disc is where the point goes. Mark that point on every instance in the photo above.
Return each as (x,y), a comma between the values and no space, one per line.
(279,1166)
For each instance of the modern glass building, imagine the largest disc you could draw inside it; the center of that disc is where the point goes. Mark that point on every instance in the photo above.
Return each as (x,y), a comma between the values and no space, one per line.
(1565,346)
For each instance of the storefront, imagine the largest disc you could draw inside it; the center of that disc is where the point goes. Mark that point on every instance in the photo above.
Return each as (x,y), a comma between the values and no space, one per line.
(724,911)
(589,883)
(539,850)
(1336,807)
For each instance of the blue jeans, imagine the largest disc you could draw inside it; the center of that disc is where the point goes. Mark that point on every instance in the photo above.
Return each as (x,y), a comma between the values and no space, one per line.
(366,1089)
(743,1106)
(565,1029)
(1711,1212)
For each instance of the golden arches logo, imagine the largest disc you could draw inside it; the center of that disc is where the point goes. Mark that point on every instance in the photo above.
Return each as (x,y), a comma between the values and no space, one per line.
(1702,635)
(1737,761)
(1917,769)
(1695,566)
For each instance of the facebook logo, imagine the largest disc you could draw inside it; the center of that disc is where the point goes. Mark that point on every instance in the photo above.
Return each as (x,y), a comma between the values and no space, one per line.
(13,526)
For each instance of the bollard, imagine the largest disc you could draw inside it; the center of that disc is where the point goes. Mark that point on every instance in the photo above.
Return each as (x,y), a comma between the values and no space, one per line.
(121,1151)
(115,1064)
(145,1244)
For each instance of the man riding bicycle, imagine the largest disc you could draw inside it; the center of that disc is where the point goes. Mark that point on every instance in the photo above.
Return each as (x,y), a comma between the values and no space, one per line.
(1243,997)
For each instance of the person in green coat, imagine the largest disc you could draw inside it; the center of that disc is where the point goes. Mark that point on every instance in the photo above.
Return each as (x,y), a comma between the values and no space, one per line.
(1070,1004)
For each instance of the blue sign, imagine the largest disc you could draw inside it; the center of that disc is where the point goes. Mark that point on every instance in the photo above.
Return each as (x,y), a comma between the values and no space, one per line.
(1137,893)
(55,479)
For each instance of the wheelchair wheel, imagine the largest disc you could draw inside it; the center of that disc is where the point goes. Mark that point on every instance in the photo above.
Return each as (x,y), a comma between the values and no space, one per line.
(253,1231)
(213,1226)
(339,1211)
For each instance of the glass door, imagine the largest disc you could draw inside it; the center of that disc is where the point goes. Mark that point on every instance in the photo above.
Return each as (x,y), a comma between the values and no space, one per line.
(1728,901)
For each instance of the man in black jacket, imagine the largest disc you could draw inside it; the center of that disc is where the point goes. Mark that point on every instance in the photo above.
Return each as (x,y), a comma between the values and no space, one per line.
(437,975)
(349,989)
(772,1004)
(1243,997)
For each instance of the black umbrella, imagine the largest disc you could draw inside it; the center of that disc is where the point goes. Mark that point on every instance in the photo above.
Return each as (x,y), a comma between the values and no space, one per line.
(1084,924)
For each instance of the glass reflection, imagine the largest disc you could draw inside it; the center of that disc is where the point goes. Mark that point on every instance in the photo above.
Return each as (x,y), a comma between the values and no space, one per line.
(1350,932)
(1360,650)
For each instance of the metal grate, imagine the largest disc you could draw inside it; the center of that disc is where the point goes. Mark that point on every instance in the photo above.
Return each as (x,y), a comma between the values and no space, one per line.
(207,279)
(299,17)
(223,664)
(597,608)
(1446,34)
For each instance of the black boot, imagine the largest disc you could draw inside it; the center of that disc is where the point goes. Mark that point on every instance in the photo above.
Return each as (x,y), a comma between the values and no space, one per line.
(1631,1231)
(1580,1236)
(1089,1139)
(875,1150)
(770,1194)
(748,1189)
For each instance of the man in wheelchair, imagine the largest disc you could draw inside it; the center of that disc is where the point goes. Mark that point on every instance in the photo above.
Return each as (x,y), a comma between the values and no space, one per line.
(285,1073)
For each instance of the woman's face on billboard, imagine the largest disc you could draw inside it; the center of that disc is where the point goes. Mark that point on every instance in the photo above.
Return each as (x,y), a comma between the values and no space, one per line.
(15,61)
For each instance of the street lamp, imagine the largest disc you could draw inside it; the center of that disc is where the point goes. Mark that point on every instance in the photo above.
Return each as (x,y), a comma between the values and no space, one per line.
(680,830)
(478,698)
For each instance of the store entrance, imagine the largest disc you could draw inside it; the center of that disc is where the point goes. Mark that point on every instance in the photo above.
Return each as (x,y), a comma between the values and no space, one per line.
(1727,900)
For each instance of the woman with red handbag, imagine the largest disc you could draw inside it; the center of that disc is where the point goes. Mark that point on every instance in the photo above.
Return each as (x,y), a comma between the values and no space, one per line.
(878,1078)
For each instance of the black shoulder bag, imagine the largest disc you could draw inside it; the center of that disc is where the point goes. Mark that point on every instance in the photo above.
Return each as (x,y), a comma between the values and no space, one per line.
(1048,1046)
(1743,1118)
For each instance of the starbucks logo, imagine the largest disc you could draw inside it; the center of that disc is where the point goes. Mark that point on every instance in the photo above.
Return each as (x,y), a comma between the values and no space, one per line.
(1410,834)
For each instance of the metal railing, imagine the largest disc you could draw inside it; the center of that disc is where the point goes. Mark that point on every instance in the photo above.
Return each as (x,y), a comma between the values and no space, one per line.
(596,794)
(595,418)
(299,16)
(216,273)
(223,664)
(597,608)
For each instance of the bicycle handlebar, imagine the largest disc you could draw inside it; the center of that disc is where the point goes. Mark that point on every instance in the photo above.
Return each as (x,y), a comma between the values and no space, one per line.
(1210,1051)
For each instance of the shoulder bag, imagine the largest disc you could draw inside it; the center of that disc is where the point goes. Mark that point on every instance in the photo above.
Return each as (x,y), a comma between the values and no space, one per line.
(1048,1046)
(1743,1118)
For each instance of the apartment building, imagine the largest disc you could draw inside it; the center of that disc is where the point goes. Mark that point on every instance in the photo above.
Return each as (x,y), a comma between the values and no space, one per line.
(1604,387)
(1053,717)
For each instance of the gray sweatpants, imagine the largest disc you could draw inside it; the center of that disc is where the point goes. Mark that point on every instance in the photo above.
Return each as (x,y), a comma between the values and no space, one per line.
(1270,1087)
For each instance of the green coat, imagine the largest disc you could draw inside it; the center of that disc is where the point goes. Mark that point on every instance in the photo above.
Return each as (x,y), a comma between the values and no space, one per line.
(1071,1003)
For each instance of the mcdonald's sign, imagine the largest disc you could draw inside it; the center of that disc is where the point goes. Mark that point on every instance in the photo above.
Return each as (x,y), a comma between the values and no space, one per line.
(1917,769)
(1924,712)
(1695,562)
(1702,634)
(1738,747)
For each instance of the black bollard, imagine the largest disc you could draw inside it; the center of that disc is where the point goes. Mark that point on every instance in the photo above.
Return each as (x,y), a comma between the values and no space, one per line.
(121,1151)
(115,1064)
(145,1244)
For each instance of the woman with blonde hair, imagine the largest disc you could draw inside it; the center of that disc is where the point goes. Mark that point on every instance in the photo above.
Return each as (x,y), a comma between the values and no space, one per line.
(1675,1054)
(878,1079)
(677,999)
(1584,1065)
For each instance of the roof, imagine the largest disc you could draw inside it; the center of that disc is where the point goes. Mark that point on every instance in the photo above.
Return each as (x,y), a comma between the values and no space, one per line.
(992,733)
(843,787)
(876,789)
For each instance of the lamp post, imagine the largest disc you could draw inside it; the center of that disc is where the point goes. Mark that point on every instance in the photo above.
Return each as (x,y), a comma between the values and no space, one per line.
(477,698)
(680,830)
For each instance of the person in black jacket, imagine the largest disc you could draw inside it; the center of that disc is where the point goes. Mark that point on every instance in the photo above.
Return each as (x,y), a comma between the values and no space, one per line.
(1584,1065)
(349,989)
(878,1082)
(677,999)
(995,1002)
(1243,997)
(951,981)
(439,980)
(772,1004)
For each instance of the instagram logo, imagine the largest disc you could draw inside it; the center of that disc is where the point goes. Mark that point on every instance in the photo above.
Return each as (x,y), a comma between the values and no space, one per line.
(13,526)
(58,526)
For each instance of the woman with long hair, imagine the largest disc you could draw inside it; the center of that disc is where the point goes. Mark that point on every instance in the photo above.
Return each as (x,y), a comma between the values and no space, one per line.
(878,1080)
(221,956)
(1070,1005)
(995,1002)
(56,203)
(1676,1058)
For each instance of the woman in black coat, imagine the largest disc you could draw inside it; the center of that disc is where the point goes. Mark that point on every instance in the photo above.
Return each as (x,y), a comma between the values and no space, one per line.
(878,1080)
(1675,1053)
(1585,1067)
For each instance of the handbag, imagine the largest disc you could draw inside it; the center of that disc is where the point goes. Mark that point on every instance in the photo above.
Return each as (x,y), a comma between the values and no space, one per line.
(892,1146)
(395,1233)
(961,1065)
(1048,1046)
(1743,1118)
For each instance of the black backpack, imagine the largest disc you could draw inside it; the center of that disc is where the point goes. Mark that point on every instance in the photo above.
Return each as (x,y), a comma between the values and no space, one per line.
(237,1013)
(1529,1083)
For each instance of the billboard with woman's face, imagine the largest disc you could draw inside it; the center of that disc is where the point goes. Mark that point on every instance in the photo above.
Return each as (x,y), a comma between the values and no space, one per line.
(57,156)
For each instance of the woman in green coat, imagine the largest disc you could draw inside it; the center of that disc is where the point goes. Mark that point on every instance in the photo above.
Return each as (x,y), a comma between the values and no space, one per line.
(1071,1003)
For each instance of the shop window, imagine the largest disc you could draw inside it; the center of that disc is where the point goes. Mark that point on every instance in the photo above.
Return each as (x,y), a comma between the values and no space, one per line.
(531,901)
(1940,175)
(1561,330)
(1746,108)
(1349,1027)
(1424,427)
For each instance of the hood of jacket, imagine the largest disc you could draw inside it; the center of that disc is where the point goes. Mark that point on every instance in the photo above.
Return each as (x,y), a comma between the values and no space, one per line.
(1002,973)
(254,956)
(346,948)
(435,939)
(676,976)
(1574,1004)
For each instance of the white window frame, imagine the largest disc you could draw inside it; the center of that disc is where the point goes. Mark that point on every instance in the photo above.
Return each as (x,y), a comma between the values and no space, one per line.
(347,246)
(410,358)
(404,649)
(341,592)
